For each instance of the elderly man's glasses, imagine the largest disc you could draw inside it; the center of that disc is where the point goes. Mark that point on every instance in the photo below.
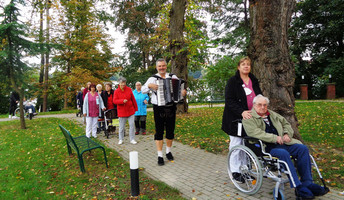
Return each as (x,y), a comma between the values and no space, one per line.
(261,105)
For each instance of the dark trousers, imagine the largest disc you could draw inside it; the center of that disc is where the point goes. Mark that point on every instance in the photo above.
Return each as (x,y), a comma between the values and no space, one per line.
(140,123)
(13,108)
(164,118)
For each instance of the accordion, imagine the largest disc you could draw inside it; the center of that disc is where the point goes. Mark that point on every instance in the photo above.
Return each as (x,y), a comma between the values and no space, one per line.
(169,91)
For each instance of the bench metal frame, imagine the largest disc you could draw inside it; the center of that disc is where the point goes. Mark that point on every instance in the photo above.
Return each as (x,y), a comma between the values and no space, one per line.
(81,144)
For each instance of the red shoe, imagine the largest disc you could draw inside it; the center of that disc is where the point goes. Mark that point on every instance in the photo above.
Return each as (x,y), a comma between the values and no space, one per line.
(144,133)
(136,133)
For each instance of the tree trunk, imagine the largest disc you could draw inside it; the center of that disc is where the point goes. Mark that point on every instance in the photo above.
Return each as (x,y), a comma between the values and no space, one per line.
(21,97)
(14,83)
(179,56)
(269,51)
(46,70)
(41,47)
(65,103)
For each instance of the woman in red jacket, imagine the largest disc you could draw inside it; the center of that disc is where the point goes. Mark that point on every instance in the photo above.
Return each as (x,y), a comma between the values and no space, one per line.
(126,108)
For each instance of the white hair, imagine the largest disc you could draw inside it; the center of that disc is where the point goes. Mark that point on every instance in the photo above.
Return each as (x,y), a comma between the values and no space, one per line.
(138,82)
(99,86)
(260,96)
(122,79)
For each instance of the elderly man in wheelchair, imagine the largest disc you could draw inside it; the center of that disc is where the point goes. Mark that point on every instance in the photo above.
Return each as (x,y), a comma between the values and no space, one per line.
(270,147)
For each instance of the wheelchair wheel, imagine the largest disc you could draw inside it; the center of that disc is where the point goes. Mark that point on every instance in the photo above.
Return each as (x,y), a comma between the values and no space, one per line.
(250,169)
(17,112)
(280,195)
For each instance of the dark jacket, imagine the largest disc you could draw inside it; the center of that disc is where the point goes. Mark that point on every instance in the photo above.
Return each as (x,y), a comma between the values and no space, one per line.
(80,99)
(105,97)
(236,102)
(14,98)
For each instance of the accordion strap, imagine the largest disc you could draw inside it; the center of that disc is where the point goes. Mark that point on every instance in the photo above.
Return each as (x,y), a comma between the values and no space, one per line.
(158,77)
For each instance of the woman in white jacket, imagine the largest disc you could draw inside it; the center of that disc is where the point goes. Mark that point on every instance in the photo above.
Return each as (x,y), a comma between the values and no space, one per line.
(93,104)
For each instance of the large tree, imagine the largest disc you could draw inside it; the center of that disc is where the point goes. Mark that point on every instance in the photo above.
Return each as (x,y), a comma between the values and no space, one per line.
(230,27)
(176,43)
(13,48)
(317,33)
(269,51)
(139,20)
(85,54)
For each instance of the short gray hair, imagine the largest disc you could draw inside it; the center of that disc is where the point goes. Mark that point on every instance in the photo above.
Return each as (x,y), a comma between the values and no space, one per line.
(122,79)
(99,86)
(260,96)
(160,60)
(138,82)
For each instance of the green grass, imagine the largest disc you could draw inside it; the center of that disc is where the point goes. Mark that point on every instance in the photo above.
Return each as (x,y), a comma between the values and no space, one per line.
(321,127)
(49,113)
(59,112)
(35,165)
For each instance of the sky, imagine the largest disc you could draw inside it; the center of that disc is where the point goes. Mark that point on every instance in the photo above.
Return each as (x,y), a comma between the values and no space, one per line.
(117,45)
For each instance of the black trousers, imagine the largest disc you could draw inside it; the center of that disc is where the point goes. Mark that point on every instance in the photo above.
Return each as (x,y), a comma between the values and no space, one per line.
(165,119)
(140,123)
(13,108)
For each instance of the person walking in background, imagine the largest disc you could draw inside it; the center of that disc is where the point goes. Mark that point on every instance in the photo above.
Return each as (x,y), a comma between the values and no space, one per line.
(80,101)
(101,124)
(93,105)
(164,116)
(126,108)
(86,90)
(108,97)
(14,99)
(141,114)
(239,93)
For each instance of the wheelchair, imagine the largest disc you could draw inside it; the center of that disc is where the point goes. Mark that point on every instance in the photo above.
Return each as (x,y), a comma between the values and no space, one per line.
(256,164)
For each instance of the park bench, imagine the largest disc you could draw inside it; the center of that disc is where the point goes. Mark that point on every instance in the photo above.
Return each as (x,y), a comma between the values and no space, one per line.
(213,101)
(80,144)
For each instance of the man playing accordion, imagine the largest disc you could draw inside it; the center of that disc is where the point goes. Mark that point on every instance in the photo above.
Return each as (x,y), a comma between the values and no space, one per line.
(164,111)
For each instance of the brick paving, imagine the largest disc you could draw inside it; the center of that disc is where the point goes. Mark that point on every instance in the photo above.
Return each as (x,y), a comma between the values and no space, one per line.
(197,174)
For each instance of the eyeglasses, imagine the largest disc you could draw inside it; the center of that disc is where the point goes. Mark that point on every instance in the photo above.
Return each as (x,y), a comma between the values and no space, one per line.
(261,105)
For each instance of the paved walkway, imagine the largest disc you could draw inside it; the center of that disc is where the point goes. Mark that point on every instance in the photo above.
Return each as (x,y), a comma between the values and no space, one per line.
(195,173)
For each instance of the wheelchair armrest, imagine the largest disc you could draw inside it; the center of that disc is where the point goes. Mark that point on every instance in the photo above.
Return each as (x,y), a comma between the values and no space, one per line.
(261,144)
(251,138)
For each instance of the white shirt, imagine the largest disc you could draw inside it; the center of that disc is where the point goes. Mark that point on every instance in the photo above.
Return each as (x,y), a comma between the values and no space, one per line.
(145,88)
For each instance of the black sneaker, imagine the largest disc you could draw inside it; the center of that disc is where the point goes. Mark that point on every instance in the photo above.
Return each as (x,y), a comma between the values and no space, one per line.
(169,156)
(238,177)
(160,161)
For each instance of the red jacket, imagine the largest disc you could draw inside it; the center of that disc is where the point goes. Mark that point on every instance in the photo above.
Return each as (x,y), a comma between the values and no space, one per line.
(84,92)
(125,109)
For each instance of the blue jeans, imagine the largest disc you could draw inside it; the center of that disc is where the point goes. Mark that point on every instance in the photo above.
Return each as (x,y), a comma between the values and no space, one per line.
(301,153)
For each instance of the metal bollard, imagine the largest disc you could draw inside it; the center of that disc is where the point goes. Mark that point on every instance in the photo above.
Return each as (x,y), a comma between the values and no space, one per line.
(134,173)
